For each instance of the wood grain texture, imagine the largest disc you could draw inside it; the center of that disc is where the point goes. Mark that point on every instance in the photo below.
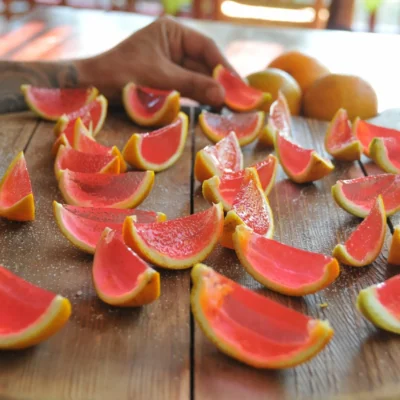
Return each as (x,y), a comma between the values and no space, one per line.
(103,352)
(15,132)
(359,359)
(145,353)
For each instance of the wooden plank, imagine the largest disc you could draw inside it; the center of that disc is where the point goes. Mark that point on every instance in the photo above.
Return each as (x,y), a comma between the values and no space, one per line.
(341,14)
(15,133)
(103,352)
(359,359)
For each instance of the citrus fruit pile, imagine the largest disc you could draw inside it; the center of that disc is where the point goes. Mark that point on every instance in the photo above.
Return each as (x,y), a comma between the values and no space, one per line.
(311,90)
(102,186)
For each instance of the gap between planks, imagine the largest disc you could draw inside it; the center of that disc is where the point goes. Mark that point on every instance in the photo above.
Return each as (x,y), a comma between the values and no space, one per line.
(34,130)
(192,128)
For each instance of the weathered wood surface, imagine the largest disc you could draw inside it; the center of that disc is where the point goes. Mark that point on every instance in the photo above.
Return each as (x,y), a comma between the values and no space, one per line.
(359,359)
(15,132)
(147,353)
(153,353)
(103,352)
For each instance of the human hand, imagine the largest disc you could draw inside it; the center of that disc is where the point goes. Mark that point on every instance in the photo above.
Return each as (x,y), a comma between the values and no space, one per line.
(163,55)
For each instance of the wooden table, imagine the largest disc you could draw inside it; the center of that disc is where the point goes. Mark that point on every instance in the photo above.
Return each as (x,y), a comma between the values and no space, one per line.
(158,352)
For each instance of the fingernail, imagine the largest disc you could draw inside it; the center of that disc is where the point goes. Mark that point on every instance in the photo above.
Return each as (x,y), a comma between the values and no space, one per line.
(215,95)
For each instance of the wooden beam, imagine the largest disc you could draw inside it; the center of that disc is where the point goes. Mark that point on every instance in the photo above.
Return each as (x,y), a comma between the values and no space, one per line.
(341,14)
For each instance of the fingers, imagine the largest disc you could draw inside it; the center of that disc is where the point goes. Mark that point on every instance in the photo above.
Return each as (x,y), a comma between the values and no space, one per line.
(202,49)
(187,43)
(196,86)
(195,66)
(173,56)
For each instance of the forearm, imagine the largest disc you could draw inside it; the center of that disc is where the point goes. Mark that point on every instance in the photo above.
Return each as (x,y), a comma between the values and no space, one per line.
(57,74)
(46,74)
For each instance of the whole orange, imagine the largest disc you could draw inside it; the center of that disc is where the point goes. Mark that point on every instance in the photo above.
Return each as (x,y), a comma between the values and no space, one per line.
(304,68)
(332,92)
(273,80)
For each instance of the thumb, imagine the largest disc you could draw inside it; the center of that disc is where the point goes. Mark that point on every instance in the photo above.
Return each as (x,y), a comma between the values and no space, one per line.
(197,86)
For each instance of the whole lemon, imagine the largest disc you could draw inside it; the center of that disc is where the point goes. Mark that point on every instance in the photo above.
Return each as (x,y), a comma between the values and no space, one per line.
(304,68)
(332,92)
(273,80)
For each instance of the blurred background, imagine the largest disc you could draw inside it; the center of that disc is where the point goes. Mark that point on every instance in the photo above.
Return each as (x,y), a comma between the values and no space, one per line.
(355,15)
(333,31)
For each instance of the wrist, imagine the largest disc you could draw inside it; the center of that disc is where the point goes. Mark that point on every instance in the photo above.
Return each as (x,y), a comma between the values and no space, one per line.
(93,71)
(85,72)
